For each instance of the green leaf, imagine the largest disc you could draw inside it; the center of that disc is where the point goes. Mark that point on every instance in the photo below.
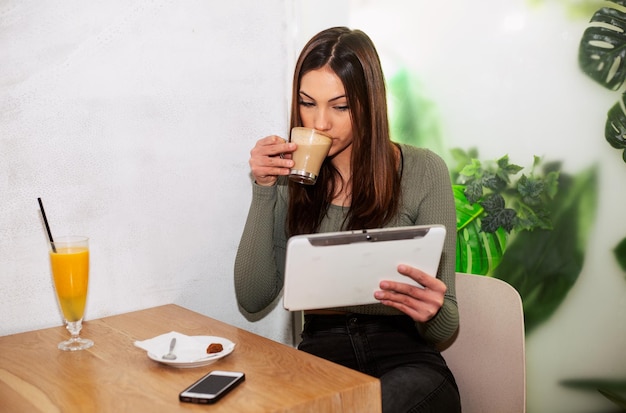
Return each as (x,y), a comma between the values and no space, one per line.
(473,191)
(496,215)
(543,265)
(594,384)
(602,56)
(529,218)
(530,189)
(612,389)
(551,184)
(470,169)
(508,168)
(602,49)
(616,398)
(493,203)
(620,254)
(493,181)
(536,161)
(461,158)
(615,127)
(477,252)
(503,218)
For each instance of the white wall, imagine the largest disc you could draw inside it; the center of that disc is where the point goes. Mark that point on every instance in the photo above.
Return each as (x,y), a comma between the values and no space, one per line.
(133,121)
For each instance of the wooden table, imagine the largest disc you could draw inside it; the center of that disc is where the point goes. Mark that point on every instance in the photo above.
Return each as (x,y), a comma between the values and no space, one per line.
(116,376)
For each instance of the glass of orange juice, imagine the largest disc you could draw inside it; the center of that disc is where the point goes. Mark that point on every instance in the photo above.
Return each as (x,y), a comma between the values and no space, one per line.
(69,260)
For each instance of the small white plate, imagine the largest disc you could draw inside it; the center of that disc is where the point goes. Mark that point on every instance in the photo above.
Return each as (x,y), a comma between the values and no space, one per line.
(185,362)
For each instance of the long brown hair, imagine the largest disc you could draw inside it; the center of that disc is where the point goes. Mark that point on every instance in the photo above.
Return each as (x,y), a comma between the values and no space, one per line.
(375,180)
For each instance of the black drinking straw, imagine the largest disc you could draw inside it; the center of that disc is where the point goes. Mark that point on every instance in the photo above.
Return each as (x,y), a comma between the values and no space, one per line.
(45,221)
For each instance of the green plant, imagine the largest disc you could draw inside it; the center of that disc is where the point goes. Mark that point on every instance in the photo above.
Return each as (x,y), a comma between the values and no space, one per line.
(493,185)
(542,255)
(602,56)
(526,227)
(492,200)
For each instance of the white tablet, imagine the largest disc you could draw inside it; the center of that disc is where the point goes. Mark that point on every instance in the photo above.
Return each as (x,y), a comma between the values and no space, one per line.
(339,269)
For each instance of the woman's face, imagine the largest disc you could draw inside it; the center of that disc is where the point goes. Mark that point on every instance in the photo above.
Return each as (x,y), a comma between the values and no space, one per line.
(324,106)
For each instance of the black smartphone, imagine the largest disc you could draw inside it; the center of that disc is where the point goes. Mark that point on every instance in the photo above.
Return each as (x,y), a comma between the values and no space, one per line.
(211,387)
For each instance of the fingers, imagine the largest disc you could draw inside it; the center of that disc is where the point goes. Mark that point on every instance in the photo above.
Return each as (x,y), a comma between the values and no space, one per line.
(428,281)
(266,162)
(419,303)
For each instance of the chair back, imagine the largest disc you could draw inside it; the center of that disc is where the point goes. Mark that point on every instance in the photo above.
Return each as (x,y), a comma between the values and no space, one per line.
(487,354)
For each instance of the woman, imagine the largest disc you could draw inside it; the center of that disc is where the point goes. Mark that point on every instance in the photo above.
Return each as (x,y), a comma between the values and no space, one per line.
(366,181)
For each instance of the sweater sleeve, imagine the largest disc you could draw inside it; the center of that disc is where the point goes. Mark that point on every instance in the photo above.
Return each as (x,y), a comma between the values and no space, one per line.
(437,206)
(261,253)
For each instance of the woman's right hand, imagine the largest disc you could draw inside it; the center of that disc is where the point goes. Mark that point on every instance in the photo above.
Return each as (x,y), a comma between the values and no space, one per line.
(266,162)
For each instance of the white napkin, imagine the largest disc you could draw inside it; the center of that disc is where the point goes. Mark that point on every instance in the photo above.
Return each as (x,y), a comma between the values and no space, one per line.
(187,348)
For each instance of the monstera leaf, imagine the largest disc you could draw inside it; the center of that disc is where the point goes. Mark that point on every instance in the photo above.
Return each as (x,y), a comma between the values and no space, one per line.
(602,56)
(477,252)
(615,128)
(602,51)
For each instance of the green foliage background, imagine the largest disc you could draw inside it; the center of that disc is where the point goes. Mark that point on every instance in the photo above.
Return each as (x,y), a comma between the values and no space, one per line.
(536,242)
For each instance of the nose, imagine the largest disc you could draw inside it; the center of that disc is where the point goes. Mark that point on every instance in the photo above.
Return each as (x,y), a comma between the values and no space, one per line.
(322,120)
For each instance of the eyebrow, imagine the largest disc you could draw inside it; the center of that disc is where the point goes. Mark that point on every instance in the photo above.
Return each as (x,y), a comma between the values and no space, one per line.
(330,100)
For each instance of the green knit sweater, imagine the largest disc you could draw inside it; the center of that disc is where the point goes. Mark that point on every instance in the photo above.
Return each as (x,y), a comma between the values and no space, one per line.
(426,199)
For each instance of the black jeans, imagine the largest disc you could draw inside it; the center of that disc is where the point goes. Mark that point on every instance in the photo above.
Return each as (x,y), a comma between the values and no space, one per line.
(413,375)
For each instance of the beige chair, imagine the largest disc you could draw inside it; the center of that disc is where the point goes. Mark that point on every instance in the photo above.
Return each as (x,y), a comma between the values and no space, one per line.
(487,354)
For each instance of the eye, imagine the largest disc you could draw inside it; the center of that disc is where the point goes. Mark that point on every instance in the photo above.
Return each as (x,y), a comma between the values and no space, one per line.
(342,108)
(306,104)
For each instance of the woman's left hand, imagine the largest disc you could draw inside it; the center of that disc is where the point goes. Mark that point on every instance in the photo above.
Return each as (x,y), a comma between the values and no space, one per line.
(421,304)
